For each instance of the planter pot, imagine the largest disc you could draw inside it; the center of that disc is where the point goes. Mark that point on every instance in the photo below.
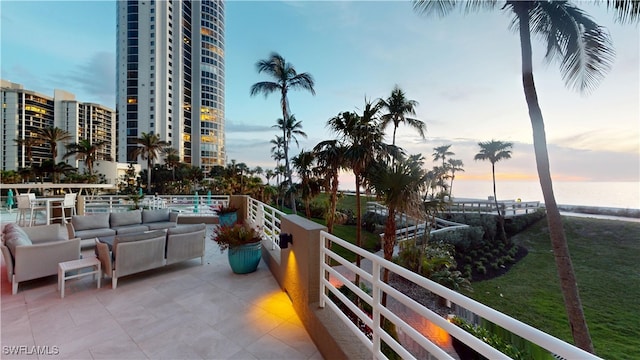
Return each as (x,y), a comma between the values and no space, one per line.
(244,259)
(228,219)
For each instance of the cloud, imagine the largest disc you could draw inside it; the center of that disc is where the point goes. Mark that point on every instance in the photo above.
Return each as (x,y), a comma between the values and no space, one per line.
(97,77)
(233,127)
(244,143)
(463,94)
(604,139)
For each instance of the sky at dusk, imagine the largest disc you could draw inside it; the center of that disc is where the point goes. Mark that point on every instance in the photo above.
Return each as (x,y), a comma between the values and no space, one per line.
(464,71)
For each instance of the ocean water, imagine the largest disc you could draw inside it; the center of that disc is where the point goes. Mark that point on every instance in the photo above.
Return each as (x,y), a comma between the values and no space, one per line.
(624,195)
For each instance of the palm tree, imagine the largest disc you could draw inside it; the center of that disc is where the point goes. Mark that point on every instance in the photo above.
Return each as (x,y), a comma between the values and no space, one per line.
(150,147)
(277,153)
(85,150)
(28,142)
(61,168)
(303,164)
(290,129)
(455,165)
(398,106)
(330,159)
(362,138)
(241,169)
(494,151)
(399,185)
(172,160)
(51,136)
(258,170)
(441,153)
(286,78)
(269,174)
(585,53)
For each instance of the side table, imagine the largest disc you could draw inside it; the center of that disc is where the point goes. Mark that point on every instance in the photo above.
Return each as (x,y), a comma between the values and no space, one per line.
(79,264)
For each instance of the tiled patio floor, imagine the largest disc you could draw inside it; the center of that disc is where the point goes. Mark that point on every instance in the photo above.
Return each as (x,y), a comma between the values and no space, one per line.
(183,311)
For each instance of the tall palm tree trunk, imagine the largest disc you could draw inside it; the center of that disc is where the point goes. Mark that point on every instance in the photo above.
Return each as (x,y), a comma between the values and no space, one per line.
(495,199)
(285,118)
(395,127)
(332,202)
(358,226)
(451,187)
(148,175)
(389,244)
(568,281)
(292,197)
(495,194)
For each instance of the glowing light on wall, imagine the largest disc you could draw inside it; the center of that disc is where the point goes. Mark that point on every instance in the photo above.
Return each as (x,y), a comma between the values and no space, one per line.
(276,303)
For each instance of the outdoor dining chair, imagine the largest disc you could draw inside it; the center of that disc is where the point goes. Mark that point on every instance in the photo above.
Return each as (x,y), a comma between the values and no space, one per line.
(28,205)
(69,203)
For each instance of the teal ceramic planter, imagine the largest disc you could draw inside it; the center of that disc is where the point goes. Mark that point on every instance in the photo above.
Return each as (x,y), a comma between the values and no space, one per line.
(244,259)
(228,219)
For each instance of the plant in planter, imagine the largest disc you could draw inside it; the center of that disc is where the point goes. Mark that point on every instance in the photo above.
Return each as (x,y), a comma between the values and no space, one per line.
(135,198)
(227,215)
(243,245)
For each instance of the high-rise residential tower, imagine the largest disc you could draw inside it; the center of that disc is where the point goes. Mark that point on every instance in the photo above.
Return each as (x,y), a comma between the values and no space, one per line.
(24,112)
(170,79)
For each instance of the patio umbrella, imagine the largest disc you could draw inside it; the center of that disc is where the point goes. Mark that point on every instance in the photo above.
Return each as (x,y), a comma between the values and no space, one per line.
(209,197)
(196,201)
(10,199)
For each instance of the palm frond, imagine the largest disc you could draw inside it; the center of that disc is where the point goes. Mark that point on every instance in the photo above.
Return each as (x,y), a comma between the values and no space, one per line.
(445,7)
(438,7)
(627,11)
(302,81)
(265,87)
(583,48)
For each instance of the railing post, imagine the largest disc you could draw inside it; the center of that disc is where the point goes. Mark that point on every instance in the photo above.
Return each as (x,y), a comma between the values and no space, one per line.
(377,303)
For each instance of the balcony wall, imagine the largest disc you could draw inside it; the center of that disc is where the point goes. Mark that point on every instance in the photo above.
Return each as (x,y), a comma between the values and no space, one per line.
(297,270)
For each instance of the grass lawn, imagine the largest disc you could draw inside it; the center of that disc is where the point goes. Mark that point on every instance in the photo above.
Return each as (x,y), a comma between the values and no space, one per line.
(605,256)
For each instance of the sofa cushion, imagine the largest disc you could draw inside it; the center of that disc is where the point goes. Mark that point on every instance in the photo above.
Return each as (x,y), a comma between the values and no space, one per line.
(183,229)
(90,222)
(125,218)
(149,216)
(92,233)
(14,236)
(47,233)
(135,237)
(161,225)
(130,229)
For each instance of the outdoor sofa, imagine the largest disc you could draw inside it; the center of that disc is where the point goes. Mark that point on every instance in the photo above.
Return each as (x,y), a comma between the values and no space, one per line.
(34,252)
(88,227)
(126,254)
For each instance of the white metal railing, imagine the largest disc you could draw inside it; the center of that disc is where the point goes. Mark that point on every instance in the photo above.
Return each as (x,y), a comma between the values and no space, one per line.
(195,204)
(415,231)
(409,231)
(185,204)
(327,273)
(266,218)
(507,207)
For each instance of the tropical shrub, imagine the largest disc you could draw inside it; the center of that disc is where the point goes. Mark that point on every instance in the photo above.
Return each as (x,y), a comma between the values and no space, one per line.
(492,339)
(463,239)
(434,261)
